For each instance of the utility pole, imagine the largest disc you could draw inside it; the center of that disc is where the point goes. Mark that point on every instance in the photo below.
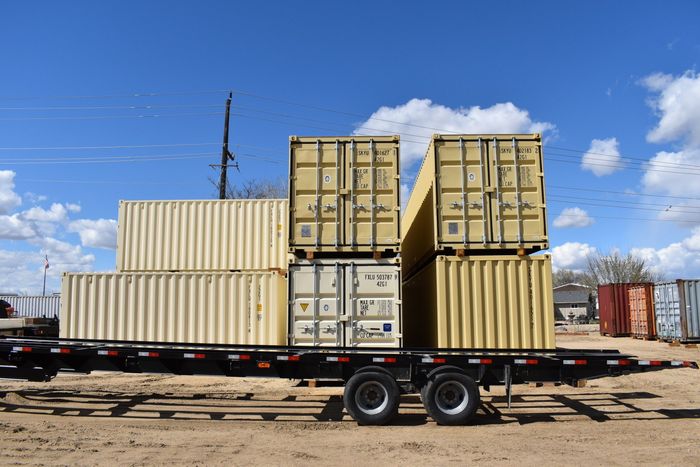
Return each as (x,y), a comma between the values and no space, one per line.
(225,153)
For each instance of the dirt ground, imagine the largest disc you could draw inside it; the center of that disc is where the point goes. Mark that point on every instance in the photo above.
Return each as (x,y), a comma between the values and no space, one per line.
(651,418)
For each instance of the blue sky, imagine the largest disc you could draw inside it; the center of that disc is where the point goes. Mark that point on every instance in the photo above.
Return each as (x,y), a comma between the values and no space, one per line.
(74,77)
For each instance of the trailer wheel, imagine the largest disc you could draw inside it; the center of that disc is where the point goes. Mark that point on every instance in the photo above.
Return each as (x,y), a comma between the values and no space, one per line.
(372,398)
(451,398)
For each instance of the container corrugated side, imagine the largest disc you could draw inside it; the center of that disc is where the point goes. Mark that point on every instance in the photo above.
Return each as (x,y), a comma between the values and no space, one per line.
(216,308)
(667,307)
(35,306)
(678,310)
(202,235)
(344,194)
(471,193)
(641,309)
(350,303)
(503,302)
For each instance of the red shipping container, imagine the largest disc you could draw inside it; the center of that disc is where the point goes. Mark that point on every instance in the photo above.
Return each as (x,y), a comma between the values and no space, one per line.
(641,305)
(613,308)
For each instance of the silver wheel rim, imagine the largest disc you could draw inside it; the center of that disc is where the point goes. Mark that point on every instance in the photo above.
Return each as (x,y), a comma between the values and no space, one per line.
(371,397)
(452,397)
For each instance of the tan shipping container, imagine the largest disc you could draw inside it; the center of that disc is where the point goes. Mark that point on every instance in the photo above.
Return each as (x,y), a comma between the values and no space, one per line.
(345,303)
(496,302)
(641,310)
(202,235)
(341,198)
(204,308)
(471,193)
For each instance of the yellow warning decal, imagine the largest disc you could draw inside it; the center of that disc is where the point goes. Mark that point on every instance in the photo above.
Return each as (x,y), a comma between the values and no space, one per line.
(304,306)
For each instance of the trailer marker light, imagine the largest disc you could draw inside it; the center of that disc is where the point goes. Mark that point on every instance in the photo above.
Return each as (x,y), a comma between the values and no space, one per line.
(60,350)
(288,358)
(109,353)
(194,355)
(21,349)
(238,357)
(384,360)
(149,354)
(263,364)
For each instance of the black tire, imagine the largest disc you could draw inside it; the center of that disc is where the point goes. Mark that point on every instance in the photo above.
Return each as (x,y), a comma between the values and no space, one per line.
(451,398)
(372,398)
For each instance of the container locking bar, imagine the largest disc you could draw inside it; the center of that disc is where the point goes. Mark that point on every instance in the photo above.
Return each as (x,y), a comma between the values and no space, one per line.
(372,195)
(518,195)
(483,193)
(499,194)
(319,174)
(337,192)
(463,165)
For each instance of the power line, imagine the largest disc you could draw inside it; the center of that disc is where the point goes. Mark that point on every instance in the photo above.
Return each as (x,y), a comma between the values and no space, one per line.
(107,117)
(114,107)
(585,203)
(115,96)
(619,192)
(633,218)
(123,146)
(622,162)
(626,204)
(640,169)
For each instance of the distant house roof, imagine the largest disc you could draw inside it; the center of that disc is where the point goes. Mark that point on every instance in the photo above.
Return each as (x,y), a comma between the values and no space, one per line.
(572,284)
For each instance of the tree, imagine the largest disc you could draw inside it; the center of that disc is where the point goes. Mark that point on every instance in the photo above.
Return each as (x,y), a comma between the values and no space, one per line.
(568,276)
(614,268)
(256,189)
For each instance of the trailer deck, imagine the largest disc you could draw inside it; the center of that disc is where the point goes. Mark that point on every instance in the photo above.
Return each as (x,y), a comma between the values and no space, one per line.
(447,379)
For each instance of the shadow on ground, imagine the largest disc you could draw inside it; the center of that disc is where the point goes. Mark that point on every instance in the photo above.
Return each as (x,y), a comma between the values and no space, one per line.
(599,407)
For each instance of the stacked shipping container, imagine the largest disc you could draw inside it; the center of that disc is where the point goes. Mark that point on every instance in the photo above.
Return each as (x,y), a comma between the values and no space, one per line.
(187,271)
(343,219)
(476,209)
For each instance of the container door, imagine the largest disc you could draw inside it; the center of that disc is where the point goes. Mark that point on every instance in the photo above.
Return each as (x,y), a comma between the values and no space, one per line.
(463,203)
(668,320)
(373,178)
(315,186)
(691,302)
(373,305)
(517,178)
(315,304)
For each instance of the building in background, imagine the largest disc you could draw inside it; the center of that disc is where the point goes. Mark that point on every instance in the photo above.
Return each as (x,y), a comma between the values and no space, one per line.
(573,302)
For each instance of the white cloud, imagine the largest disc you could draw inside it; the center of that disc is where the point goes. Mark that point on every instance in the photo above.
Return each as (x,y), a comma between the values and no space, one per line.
(35,198)
(8,198)
(676,260)
(22,271)
(418,119)
(673,173)
(678,106)
(73,207)
(100,233)
(14,228)
(603,157)
(56,213)
(571,255)
(573,217)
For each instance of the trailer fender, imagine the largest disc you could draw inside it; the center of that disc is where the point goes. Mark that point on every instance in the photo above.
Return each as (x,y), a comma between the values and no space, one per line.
(445,369)
(374,368)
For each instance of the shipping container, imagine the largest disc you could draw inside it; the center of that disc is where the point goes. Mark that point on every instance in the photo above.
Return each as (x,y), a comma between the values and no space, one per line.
(202,235)
(641,309)
(677,308)
(35,306)
(345,303)
(497,302)
(344,194)
(473,193)
(216,308)
(614,309)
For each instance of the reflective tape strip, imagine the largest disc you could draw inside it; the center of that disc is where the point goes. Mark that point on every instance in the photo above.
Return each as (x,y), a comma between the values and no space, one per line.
(575,362)
(384,360)
(194,355)
(109,353)
(21,349)
(644,362)
(618,362)
(523,361)
(433,360)
(649,362)
(288,358)
(337,359)
(481,361)
(238,357)
(59,350)
(675,363)
(149,354)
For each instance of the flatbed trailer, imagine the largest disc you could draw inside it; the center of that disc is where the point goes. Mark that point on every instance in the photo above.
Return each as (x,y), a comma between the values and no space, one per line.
(448,380)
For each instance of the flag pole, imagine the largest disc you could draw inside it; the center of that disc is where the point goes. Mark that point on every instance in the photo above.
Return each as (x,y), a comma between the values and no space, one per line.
(46,266)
